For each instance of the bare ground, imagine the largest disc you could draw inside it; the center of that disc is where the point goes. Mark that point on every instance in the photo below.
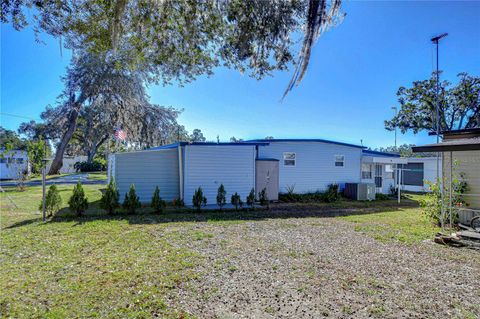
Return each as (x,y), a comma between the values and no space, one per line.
(315,268)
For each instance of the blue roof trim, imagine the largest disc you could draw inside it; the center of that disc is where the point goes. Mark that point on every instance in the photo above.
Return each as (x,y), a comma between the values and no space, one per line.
(174,145)
(267,159)
(308,140)
(380,153)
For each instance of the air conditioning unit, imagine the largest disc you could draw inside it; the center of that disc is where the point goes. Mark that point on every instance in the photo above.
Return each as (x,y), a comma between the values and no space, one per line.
(360,191)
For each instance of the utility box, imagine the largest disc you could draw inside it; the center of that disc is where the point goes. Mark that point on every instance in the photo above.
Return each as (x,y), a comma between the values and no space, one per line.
(360,191)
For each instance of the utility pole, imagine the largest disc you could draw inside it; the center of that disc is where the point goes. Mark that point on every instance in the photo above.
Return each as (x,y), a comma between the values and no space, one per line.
(394,108)
(435,40)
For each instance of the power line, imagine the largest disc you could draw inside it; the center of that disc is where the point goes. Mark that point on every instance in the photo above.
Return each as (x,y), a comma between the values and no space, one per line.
(19,116)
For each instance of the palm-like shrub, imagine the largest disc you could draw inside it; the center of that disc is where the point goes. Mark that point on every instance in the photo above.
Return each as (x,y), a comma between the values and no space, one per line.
(236,201)
(78,202)
(263,197)
(251,199)
(331,194)
(221,196)
(198,199)
(110,199)
(158,204)
(131,201)
(53,201)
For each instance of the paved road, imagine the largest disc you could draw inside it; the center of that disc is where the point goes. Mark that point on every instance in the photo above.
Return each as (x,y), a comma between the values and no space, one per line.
(67,179)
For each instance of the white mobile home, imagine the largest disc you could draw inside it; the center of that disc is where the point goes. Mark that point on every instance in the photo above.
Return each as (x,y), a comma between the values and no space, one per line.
(305,165)
(13,164)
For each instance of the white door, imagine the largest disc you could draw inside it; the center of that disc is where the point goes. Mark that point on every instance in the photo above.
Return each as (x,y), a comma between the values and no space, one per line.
(378,177)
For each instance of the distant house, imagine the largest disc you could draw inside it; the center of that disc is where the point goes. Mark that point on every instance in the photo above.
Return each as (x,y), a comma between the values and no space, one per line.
(301,165)
(13,164)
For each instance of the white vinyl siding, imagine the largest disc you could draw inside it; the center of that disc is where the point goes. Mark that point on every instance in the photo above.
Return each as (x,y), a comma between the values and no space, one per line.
(209,166)
(146,170)
(314,168)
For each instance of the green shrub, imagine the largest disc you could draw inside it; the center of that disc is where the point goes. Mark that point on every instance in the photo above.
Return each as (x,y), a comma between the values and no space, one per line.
(251,199)
(98,164)
(131,201)
(178,202)
(110,199)
(78,202)
(380,196)
(236,201)
(221,196)
(331,194)
(198,199)
(53,201)
(263,197)
(158,204)
(432,202)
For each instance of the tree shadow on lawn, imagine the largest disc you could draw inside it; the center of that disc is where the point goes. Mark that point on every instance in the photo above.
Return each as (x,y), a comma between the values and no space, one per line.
(145,215)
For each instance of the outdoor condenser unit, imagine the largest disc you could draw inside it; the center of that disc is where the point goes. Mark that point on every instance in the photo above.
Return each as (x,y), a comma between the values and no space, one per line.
(360,191)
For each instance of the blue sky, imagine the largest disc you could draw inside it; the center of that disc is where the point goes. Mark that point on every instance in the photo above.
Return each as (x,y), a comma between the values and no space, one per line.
(347,93)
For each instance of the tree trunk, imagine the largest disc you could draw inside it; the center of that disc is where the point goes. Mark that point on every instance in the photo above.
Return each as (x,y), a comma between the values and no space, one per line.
(72,126)
(93,150)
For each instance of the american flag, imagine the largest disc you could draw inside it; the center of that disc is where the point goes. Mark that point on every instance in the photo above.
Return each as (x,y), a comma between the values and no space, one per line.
(120,134)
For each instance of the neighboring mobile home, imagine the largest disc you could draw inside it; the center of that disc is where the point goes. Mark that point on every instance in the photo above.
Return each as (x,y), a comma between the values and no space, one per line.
(304,165)
(13,164)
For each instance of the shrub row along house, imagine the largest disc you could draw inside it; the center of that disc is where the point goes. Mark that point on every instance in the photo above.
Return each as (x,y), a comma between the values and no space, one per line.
(279,165)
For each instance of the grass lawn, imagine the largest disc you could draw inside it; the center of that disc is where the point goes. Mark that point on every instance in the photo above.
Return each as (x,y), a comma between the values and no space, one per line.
(97,176)
(147,265)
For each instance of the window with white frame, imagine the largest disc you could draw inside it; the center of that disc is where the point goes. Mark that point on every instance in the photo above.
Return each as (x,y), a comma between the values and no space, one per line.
(339,160)
(366,171)
(289,159)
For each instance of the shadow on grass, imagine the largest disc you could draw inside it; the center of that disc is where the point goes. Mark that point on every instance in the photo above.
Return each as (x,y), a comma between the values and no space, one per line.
(278,210)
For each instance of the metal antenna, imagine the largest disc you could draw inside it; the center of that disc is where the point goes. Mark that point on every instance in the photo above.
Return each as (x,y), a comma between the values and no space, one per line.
(435,40)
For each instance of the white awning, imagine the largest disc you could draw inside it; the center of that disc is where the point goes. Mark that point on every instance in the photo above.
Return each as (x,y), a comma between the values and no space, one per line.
(384,160)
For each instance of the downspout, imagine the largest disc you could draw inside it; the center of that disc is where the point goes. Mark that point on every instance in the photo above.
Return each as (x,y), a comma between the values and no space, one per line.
(180,170)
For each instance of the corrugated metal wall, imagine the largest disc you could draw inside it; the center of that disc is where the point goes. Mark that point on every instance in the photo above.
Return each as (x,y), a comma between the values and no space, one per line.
(315,164)
(210,166)
(146,170)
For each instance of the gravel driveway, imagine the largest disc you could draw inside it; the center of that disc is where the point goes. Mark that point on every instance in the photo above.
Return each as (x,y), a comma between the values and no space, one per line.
(315,268)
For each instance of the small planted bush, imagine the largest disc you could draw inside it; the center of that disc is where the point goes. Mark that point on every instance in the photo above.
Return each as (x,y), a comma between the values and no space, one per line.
(331,194)
(53,201)
(263,197)
(198,199)
(110,199)
(221,196)
(158,204)
(178,202)
(132,201)
(236,201)
(78,202)
(251,199)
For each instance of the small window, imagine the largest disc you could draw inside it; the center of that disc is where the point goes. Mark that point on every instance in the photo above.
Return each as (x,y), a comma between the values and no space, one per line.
(289,159)
(339,160)
(366,171)
(19,160)
(389,171)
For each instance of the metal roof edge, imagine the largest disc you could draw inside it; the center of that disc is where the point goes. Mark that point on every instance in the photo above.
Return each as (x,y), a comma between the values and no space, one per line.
(380,153)
(307,140)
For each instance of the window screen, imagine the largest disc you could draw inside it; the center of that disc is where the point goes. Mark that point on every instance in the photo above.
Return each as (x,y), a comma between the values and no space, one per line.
(339,160)
(289,159)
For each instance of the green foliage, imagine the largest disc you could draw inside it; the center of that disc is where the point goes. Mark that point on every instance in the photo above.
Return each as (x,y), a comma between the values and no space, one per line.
(236,201)
(251,199)
(9,140)
(36,153)
(197,136)
(459,105)
(404,150)
(178,203)
(198,199)
(110,199)
(53,201)
(432,202)
(331,194)
(131,202)
(158,204)
(98,164)
(263,197)
(380,196)
(221,196)
(78,202)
